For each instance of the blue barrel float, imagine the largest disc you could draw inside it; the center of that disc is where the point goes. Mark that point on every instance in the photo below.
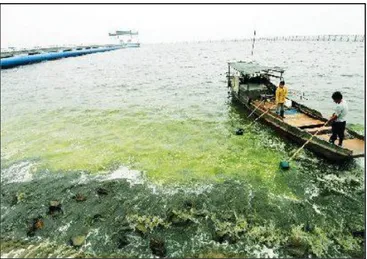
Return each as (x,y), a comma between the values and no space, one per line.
(10,62)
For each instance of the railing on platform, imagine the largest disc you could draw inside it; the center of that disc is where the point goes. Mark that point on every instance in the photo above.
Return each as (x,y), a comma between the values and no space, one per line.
(341,38)
(331,37)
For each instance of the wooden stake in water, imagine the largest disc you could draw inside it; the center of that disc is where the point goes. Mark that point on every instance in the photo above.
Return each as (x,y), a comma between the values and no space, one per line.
(253,43)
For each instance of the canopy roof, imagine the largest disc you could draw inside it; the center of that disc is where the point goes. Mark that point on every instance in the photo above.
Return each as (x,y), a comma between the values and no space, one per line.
(130,32)
(247,67)
(118,33)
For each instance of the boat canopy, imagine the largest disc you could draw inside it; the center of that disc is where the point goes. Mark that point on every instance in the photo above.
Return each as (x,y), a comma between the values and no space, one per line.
(121,33)
(130,32)
(246,67)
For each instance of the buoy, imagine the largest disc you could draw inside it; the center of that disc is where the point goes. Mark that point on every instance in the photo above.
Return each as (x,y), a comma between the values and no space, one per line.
(239,132)
(284,165)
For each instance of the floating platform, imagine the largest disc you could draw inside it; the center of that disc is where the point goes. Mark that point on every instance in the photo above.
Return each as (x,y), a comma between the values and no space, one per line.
(19,58)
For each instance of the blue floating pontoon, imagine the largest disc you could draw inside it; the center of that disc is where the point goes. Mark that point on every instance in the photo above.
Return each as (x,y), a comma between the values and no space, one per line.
(34,58)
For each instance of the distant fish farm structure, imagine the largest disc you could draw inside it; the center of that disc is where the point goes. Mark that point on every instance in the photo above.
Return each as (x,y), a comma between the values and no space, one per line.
(344,38)
(329,37)
(12,57)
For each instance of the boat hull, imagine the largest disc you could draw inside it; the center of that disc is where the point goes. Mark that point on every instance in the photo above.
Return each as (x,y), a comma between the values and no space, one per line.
(318,146)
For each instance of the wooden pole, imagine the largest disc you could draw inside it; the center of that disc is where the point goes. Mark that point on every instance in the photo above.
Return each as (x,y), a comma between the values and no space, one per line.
(253,44)
(307,141)
(229,74)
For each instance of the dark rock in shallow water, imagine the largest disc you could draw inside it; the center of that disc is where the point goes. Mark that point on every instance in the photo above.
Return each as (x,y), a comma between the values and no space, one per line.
(120,236)
(188,204)
(37,223)
(122,242)
(221,238)
(308,227)
(101,191)
(360,233)
(54,208)
(157,246)
(79,197)
(31,232)
(239,132)
(14,200)
(97,218)
(354,183)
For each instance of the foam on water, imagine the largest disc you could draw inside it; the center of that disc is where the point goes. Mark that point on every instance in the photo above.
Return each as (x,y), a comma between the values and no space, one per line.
(264,252)
(44,249)
(19,172)
(13,253)
(65,227)
(131,176)
(316,208)
(312,191)
(83,178)
(197,188)
(134,177)
(88,245)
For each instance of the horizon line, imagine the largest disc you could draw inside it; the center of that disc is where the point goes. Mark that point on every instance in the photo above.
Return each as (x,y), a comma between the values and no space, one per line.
(359,36)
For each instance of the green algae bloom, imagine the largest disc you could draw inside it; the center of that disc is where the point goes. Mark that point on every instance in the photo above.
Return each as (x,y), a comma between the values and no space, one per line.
(168,150)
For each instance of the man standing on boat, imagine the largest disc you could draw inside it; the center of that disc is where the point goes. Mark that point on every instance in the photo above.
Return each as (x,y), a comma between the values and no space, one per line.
(338,118)
(280,95)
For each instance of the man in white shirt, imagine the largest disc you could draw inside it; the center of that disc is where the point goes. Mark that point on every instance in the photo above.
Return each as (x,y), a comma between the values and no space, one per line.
(338,118)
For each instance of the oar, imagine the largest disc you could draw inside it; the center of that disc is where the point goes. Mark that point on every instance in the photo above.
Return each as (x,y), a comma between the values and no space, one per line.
(285,164)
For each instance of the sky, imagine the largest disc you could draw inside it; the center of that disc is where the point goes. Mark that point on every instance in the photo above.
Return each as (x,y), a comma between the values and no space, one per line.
(45,25)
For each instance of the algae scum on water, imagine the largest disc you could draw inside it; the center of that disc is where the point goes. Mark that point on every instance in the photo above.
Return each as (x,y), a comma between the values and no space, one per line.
(113,216)
(216,195)
(102,163)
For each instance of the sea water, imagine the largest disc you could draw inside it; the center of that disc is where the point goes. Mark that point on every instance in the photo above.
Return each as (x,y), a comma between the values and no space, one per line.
(154,127)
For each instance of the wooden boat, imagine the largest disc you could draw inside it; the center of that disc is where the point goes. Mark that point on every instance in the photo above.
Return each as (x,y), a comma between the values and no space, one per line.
(250,84)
